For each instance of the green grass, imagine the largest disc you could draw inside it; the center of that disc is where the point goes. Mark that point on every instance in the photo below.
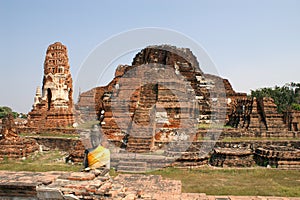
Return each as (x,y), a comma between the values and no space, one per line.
(113,172)
(40,162)
(46,134)
(216,126)
(88,125)
(241,139)
(257,181)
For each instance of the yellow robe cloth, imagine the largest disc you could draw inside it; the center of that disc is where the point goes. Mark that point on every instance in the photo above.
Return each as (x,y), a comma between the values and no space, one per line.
(99,157)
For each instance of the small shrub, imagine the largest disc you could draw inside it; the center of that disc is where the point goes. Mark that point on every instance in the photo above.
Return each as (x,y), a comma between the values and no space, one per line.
(296,106)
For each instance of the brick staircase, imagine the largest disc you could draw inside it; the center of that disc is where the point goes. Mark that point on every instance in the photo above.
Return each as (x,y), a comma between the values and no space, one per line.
(142,128)
(140,144)
(265,117)
(138,163)
(289,165)
(131,166)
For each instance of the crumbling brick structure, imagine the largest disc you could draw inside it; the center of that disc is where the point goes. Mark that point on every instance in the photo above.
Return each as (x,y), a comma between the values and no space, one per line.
(164,104)
(13,146)
(53,106)
(258,114)
(292,120)
(140,108)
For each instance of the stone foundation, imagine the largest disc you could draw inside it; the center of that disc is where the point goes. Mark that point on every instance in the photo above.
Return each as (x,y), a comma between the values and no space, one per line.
(190,157)
(236,133)
(228,157)
(278,156)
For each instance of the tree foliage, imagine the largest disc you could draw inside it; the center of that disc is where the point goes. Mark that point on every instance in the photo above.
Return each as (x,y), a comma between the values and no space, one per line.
(4,111)
(286,97)
(296,106)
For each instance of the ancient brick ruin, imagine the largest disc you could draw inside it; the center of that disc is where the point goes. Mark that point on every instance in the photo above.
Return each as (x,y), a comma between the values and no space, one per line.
(53,106)
(278,156)
(13,146)
(292,119)
(149,115)
(256,114)
(163,90)
(211,95)
(232,157)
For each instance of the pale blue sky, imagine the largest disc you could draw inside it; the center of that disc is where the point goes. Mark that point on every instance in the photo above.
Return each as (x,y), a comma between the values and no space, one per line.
(253,43)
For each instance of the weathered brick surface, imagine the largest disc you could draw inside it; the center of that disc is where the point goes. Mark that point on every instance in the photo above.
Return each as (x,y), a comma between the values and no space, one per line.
(279,156)
(230,157)
(53,107)
(11,145)
(292,119)
(256,114)
(160,109)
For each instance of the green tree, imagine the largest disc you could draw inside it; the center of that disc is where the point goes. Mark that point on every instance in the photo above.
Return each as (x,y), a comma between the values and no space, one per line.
(4,110)
(286,97)
(296,106)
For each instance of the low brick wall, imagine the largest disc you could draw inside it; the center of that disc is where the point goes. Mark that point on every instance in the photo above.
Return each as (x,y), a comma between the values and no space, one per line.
(239,133)
(236,133)
(250,144)
(230,157)
(255,144)
(63,144)
(76,148)
(73,146)
(56,131)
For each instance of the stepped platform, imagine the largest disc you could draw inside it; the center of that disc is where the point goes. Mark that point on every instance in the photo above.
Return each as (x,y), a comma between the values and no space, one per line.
(232,157)
(140,144)
(138,163)
(279,156)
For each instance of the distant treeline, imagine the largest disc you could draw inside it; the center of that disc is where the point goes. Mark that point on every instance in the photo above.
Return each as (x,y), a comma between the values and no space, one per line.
(287,97)
(4,111)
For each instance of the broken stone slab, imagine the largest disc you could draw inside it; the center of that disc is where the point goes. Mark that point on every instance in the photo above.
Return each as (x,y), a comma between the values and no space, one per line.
(45,193)
(70,197)
(78,176)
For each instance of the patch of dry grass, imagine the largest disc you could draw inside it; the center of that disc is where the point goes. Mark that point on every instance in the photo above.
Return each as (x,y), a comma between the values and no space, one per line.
(40,162)
(49,135)
(257,181)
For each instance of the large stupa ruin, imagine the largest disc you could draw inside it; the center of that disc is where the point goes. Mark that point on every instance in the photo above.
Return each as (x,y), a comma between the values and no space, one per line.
(53,106)
(162,96)
(143,106)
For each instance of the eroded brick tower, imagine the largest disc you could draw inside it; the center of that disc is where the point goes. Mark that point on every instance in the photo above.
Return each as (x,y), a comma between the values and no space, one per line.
(53,107)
